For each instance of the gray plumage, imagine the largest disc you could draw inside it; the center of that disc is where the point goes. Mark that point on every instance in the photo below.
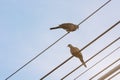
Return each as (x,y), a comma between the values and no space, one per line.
(76,52)
(69,27)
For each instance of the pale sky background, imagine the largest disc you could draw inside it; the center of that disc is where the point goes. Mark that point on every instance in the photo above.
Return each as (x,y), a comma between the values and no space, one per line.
(24,33)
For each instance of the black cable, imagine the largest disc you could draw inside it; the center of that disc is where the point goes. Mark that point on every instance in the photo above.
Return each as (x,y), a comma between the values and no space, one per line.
(81,49)
(35,57)
(94,12)
(51,45)
(91,58)
(98,62)
(104,69)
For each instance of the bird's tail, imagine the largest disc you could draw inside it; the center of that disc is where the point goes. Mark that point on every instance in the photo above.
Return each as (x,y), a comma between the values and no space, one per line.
(83,62)
(54,28)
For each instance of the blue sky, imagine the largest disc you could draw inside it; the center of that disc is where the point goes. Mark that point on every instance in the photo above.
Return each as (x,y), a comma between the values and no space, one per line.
(24,33)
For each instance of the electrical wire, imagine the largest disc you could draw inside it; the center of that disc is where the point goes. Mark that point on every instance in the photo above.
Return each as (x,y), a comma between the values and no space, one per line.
(81,49)
(98,62)
(54,43)
(35,57)
(91,57)
(94,12)
(104,69)
(114,75)
(106,75)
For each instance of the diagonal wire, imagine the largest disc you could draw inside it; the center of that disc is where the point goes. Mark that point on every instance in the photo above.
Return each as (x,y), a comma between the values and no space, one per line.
(98,62)
(36,56)
(106,75)
(81,49)
(104,69)
(53,43)
(91,57)
(94,12)
(114,75)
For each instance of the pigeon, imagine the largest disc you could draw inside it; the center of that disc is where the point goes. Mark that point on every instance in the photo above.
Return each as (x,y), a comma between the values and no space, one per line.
(69,27)
(76,52)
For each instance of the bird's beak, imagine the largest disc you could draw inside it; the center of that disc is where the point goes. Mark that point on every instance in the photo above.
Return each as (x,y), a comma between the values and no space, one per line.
(68,45)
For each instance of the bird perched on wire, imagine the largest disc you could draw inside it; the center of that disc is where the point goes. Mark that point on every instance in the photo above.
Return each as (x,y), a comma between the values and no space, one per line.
(69,27)
(76,52)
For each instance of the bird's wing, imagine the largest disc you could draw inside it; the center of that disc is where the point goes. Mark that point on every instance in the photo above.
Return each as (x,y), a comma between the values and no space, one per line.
(75,51)
(65,26)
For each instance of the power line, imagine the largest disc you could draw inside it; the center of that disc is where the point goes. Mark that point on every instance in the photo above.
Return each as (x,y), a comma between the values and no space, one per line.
(35,57)
(81,49)
(91,57)
(110,72)
(104,69)
(101,34)
(97,62)
(53,43)
(94,12)
(114,75)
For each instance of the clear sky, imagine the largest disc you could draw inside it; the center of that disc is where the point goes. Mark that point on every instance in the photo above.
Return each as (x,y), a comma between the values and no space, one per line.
(24,33)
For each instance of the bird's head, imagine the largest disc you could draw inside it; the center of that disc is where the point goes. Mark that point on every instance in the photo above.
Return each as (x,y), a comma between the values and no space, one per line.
(69,45)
